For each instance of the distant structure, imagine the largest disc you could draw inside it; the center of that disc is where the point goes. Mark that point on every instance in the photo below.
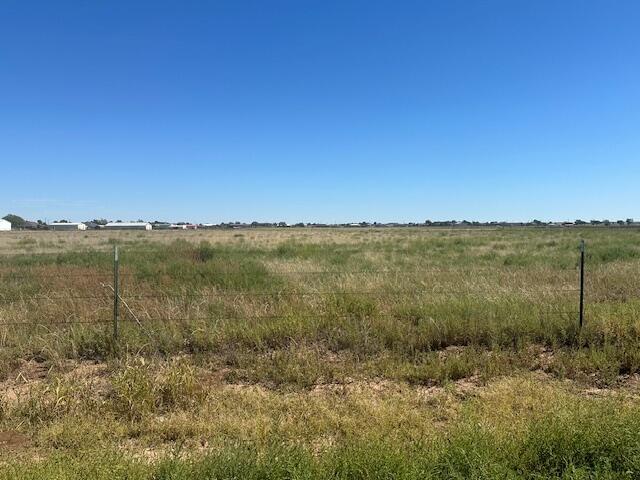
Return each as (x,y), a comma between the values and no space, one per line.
(67,226)
(160,225)
(168,226)
(29,225)
(4,225)
(173,226)
(127,226)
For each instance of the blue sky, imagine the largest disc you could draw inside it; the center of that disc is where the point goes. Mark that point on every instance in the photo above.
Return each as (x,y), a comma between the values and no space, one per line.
(323,111)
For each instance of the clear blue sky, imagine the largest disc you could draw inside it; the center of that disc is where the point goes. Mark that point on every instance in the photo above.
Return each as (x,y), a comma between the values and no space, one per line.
(320,110)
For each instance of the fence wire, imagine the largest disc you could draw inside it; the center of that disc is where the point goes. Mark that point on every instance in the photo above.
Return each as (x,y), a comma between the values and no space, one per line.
(134,280)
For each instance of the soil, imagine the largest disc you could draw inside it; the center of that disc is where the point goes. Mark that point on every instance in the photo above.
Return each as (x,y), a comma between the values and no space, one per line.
(11,440)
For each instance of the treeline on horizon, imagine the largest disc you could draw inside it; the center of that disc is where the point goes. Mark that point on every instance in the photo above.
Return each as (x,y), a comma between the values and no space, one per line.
(19,222)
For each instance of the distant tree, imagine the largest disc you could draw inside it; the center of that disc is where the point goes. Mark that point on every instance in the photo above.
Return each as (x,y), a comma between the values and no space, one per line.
(629,221)
(537,222)
(15,220)
(100,221)
(606,222)
(620,222)
(580,222)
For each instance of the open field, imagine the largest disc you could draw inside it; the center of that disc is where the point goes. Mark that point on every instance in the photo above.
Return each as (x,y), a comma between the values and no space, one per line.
(298,353)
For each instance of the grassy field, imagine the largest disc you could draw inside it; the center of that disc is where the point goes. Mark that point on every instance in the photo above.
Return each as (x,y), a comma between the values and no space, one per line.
(298,353)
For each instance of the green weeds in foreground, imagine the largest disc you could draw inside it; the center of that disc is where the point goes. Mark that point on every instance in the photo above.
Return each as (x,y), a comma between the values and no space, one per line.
(521,427)
(595,442)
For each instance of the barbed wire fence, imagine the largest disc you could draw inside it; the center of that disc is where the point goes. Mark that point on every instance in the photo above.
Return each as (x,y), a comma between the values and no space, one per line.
(117,305)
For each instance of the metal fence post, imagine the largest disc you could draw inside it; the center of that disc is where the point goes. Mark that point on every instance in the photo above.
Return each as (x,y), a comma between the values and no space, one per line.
(116,293)
(581,283)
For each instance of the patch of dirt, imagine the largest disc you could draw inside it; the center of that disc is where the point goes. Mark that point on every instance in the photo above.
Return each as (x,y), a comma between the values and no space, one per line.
(451,350)
(627,385)
(85,370)
(349,386)
(177,449)
(27,374)
(596,392)
(463,388)
(95,375)
(467,387)
(11,440)
(31,373)
(544,356)
(632,382)
(214,378)
(32,370)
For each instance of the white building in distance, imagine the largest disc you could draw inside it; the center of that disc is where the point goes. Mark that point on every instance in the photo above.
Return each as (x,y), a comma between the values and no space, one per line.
(5,226)
(128,226)
(66,226)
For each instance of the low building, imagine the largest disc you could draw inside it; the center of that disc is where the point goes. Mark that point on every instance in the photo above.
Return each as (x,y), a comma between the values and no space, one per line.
(128,226)
(29,225)
(66,226)
(161,226)
(5,226)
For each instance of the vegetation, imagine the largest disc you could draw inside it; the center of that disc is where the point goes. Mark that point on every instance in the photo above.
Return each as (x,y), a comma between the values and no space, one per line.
(371,353)
(14,220)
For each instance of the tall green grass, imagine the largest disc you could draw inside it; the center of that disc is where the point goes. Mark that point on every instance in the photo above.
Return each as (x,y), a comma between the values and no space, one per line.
(395,300)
